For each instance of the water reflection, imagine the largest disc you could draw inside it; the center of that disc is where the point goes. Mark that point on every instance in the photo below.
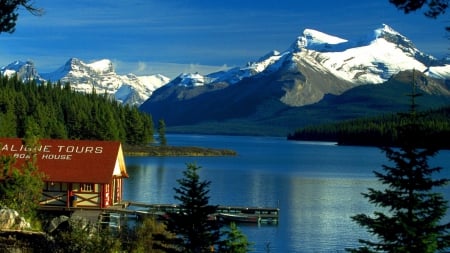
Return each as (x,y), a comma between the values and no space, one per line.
(317,187)
(326,208)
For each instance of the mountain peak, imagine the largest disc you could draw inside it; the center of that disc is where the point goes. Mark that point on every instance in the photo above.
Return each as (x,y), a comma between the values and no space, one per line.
(390,35)
(100,75)
(316,37)
(102,66)
(25,70)
(315,40)
(189,80)
(385,29)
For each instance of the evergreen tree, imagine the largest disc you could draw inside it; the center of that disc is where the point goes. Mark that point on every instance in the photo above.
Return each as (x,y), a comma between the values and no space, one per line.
(412,211)
(147,235)
(195,231)
(435,7)
(135,126)
(9,13)
(8,124)
(162,132)
(56,111)
(148,129)
(235,241)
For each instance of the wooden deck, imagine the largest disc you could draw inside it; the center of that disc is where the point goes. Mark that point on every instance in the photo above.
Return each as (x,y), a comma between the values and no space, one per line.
(114,216)
(238,214)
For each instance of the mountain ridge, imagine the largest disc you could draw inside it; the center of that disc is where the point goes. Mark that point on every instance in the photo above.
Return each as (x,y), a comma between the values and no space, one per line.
(99,75)
(315,67)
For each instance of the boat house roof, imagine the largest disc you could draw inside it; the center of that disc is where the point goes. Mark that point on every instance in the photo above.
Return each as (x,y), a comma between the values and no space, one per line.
(76,161)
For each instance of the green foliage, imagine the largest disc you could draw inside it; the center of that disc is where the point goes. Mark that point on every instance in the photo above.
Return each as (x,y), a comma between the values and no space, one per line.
(162,132)
(235,241)
(409,219)
(435,7)
(56,111)
(382,131)
(146,236)
(21,188)
(9,13)
(195,230)
(83,237)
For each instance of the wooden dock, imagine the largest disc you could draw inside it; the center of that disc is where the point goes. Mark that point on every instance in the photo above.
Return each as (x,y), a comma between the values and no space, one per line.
(238,214)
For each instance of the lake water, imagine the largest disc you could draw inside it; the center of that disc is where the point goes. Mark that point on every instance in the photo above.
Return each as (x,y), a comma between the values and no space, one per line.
(317,186)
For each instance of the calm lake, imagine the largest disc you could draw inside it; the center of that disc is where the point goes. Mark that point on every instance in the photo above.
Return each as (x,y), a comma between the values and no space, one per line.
(317,186)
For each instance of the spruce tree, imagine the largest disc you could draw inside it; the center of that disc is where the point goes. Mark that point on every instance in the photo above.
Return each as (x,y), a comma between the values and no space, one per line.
(162,132)
(195,230)
(410,218)
(235,241)
(9,12)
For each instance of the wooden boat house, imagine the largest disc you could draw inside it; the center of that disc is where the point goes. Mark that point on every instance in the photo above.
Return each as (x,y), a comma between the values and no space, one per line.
(85,174)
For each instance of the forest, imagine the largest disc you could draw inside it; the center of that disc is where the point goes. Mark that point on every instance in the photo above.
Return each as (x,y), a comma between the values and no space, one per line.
(54,110)
(434,130)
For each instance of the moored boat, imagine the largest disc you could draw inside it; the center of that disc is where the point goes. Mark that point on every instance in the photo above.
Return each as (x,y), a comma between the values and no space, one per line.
(240,218)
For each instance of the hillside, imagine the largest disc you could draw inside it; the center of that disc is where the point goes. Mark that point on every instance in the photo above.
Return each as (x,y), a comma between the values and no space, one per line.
(433,129)
(319,78)
(275,118)
(55,111)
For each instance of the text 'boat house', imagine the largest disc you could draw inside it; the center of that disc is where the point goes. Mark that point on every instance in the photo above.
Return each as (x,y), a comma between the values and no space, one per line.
(78,173)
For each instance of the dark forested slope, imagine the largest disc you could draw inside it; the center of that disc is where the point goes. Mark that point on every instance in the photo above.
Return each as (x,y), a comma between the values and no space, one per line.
(56,111)
(434,129)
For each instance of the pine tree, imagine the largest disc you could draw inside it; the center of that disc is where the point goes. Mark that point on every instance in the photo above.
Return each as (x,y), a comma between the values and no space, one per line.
(147,235)
(195,230)
(235,241)
(411,211)
(162,132)
(134,126)
(7,124)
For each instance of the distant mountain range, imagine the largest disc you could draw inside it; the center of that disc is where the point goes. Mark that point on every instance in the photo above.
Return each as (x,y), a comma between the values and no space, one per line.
(318,78)
(99,75)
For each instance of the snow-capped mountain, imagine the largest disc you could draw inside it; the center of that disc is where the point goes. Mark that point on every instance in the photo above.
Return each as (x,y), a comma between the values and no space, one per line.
(372,59)
(98,75)
(25,70)
(314,69)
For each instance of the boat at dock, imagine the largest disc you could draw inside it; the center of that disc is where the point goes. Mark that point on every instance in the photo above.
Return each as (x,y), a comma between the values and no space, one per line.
(239,214)
(226,214)
(238,218)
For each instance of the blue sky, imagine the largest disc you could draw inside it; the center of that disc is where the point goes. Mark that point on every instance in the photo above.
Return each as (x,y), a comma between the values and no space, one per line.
(173,36)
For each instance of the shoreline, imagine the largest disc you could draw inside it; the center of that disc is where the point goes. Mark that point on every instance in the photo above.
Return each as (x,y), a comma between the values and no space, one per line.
(157,151)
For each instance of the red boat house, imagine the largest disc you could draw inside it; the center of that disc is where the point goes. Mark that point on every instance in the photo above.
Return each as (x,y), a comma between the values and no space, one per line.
(86,174)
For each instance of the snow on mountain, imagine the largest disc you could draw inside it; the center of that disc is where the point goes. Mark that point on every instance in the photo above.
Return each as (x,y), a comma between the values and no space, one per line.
(100,75)
(231,76)
(25,70)
(440,72)
(375,61)
(102,66)
(190,80)
(372,59)
(315,40)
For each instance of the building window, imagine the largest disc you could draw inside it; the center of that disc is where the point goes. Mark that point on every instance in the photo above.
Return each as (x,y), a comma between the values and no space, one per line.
(87,187)
(51,186)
